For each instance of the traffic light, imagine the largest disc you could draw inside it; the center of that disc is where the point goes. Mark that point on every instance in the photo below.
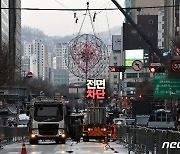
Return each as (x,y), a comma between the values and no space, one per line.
(157,69)
(125,97)
(117,68)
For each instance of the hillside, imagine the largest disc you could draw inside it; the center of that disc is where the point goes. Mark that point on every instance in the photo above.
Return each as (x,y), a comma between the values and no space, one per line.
(29,34)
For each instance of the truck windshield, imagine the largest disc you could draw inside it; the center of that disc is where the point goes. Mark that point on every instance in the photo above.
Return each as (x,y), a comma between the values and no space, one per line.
(23,122)
(49,113)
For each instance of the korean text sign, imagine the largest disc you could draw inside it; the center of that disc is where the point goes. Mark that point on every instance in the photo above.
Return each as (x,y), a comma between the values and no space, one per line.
(95,88)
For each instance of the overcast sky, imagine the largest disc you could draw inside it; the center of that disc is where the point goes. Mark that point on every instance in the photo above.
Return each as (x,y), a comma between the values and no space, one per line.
(62,23)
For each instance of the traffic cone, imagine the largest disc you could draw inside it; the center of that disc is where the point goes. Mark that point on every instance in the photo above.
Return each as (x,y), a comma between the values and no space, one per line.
(105,140)
(23,151)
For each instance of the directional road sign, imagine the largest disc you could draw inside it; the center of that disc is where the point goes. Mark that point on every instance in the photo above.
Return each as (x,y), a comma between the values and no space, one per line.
(165,88)
(137,65)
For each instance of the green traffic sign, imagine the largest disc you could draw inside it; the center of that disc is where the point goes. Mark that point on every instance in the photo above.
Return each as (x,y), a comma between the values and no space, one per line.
(164,87)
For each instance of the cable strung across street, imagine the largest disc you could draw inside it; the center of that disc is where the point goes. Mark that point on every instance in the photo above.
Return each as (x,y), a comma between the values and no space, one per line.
(93,9)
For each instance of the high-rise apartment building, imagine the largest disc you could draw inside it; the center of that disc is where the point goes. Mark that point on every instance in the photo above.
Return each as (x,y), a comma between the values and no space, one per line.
(60,75)
(25,58)
(37,53)
(60,52)
(27,49)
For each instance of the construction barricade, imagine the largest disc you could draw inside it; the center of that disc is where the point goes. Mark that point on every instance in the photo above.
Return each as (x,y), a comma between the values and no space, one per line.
(12,134)
(146,140)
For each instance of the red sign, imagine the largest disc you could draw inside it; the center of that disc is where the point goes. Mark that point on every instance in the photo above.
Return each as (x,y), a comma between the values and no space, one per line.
(176,66)
(96,93)
(95,89)
(29,74)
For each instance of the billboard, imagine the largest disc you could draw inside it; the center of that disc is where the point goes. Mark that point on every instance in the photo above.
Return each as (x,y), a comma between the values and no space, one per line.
(132,55)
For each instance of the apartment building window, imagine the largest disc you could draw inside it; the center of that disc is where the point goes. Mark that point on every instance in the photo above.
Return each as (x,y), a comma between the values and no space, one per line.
(131,75)
(150,34)
(115,76)
(150,21)
(115,82)
(115,64)
(115,58)
(133,32)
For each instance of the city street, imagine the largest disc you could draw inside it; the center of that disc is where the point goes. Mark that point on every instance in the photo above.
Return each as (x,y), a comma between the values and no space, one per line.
(90,77)
(48,147)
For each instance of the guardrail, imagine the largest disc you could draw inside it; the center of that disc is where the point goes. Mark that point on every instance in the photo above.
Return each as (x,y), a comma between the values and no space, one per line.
(12,134)
(146,140)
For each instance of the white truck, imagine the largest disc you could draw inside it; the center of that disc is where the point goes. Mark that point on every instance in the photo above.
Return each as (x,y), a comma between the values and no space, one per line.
(47,120)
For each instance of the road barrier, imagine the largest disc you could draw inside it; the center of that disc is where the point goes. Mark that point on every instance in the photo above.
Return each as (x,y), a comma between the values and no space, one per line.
(12,134)
(146,140)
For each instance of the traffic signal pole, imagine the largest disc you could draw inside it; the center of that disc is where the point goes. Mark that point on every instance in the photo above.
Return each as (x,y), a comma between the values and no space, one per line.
(130,20)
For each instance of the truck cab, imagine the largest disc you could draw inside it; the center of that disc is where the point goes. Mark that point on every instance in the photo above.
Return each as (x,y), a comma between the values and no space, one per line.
(47,120)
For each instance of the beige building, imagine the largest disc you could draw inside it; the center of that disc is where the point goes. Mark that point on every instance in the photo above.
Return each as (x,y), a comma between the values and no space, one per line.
(145,11)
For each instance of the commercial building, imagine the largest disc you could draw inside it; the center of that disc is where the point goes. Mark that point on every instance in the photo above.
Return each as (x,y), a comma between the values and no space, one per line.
(60,73)
(60,52)
(4,26)
(10,33)
(15,34)
(136,48)
(168,17)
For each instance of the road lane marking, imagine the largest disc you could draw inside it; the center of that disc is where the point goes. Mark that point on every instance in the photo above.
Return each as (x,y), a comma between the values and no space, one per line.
(36,152)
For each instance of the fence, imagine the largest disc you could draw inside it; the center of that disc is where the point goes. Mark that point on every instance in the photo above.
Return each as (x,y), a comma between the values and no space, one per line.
(12,134)
(146,140)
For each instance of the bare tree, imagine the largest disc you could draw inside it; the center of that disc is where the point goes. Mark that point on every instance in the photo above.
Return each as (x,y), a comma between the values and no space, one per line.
(144,88)
(36,86)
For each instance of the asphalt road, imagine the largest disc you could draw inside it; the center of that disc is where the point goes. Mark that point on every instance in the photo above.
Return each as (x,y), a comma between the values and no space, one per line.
(49,147)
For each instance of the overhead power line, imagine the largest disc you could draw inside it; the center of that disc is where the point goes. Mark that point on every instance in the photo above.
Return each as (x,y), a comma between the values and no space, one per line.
(95,9)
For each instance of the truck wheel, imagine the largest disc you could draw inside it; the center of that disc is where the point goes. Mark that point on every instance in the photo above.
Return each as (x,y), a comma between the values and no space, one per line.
(57,141)
(63,141)
(33,141)
(85,139)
